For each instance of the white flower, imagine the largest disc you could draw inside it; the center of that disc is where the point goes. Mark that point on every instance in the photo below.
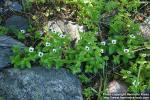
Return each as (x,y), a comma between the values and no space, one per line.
(22,31)
(103,43)
(61,36)
(113,41)
(128,25)
(132,36)
(124,77)
(54,50)
(31,49)
(144,55)
(129,72)
(40,54)
(101,50)
(47,44)
(87,48)
(135,82)
(126,50)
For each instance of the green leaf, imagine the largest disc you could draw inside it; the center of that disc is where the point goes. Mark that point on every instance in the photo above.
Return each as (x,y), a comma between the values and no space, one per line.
(76,69)
(58,64)
(88,69)
(84,79)
(28,64)
(106,58)
(3,30)
(21,36)
(125,59)
(111,49)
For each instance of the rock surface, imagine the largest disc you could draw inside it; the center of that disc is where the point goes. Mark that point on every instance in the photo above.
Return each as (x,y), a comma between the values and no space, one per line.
(116,87)
(39,83)
(6,43)
(66,27)
(145,28)
(17,22)
(1,10)
(15,6)
(1,1)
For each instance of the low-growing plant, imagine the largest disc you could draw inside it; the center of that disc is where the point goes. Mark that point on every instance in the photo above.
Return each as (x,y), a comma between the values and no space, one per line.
(55,50)
(124,52)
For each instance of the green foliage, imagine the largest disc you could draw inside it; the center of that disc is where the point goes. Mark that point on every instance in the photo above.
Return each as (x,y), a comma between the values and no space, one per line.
(55,50)
(20,35)
(53,46)
(90,56)
(56,45)
(89,10)
(137,73)
(89,92)
(22,58)
(111,5)
(27,4)
(3,30)
(87,51)
(1,98)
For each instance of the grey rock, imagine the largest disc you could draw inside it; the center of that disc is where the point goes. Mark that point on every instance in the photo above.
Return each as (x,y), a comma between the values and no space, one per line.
(67,27)
(6,44)
(15,6)
(39,83)
(7,3)
(116,87)
(145,28)
(1,1)
(17,22)
(1,10)
(146,91)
